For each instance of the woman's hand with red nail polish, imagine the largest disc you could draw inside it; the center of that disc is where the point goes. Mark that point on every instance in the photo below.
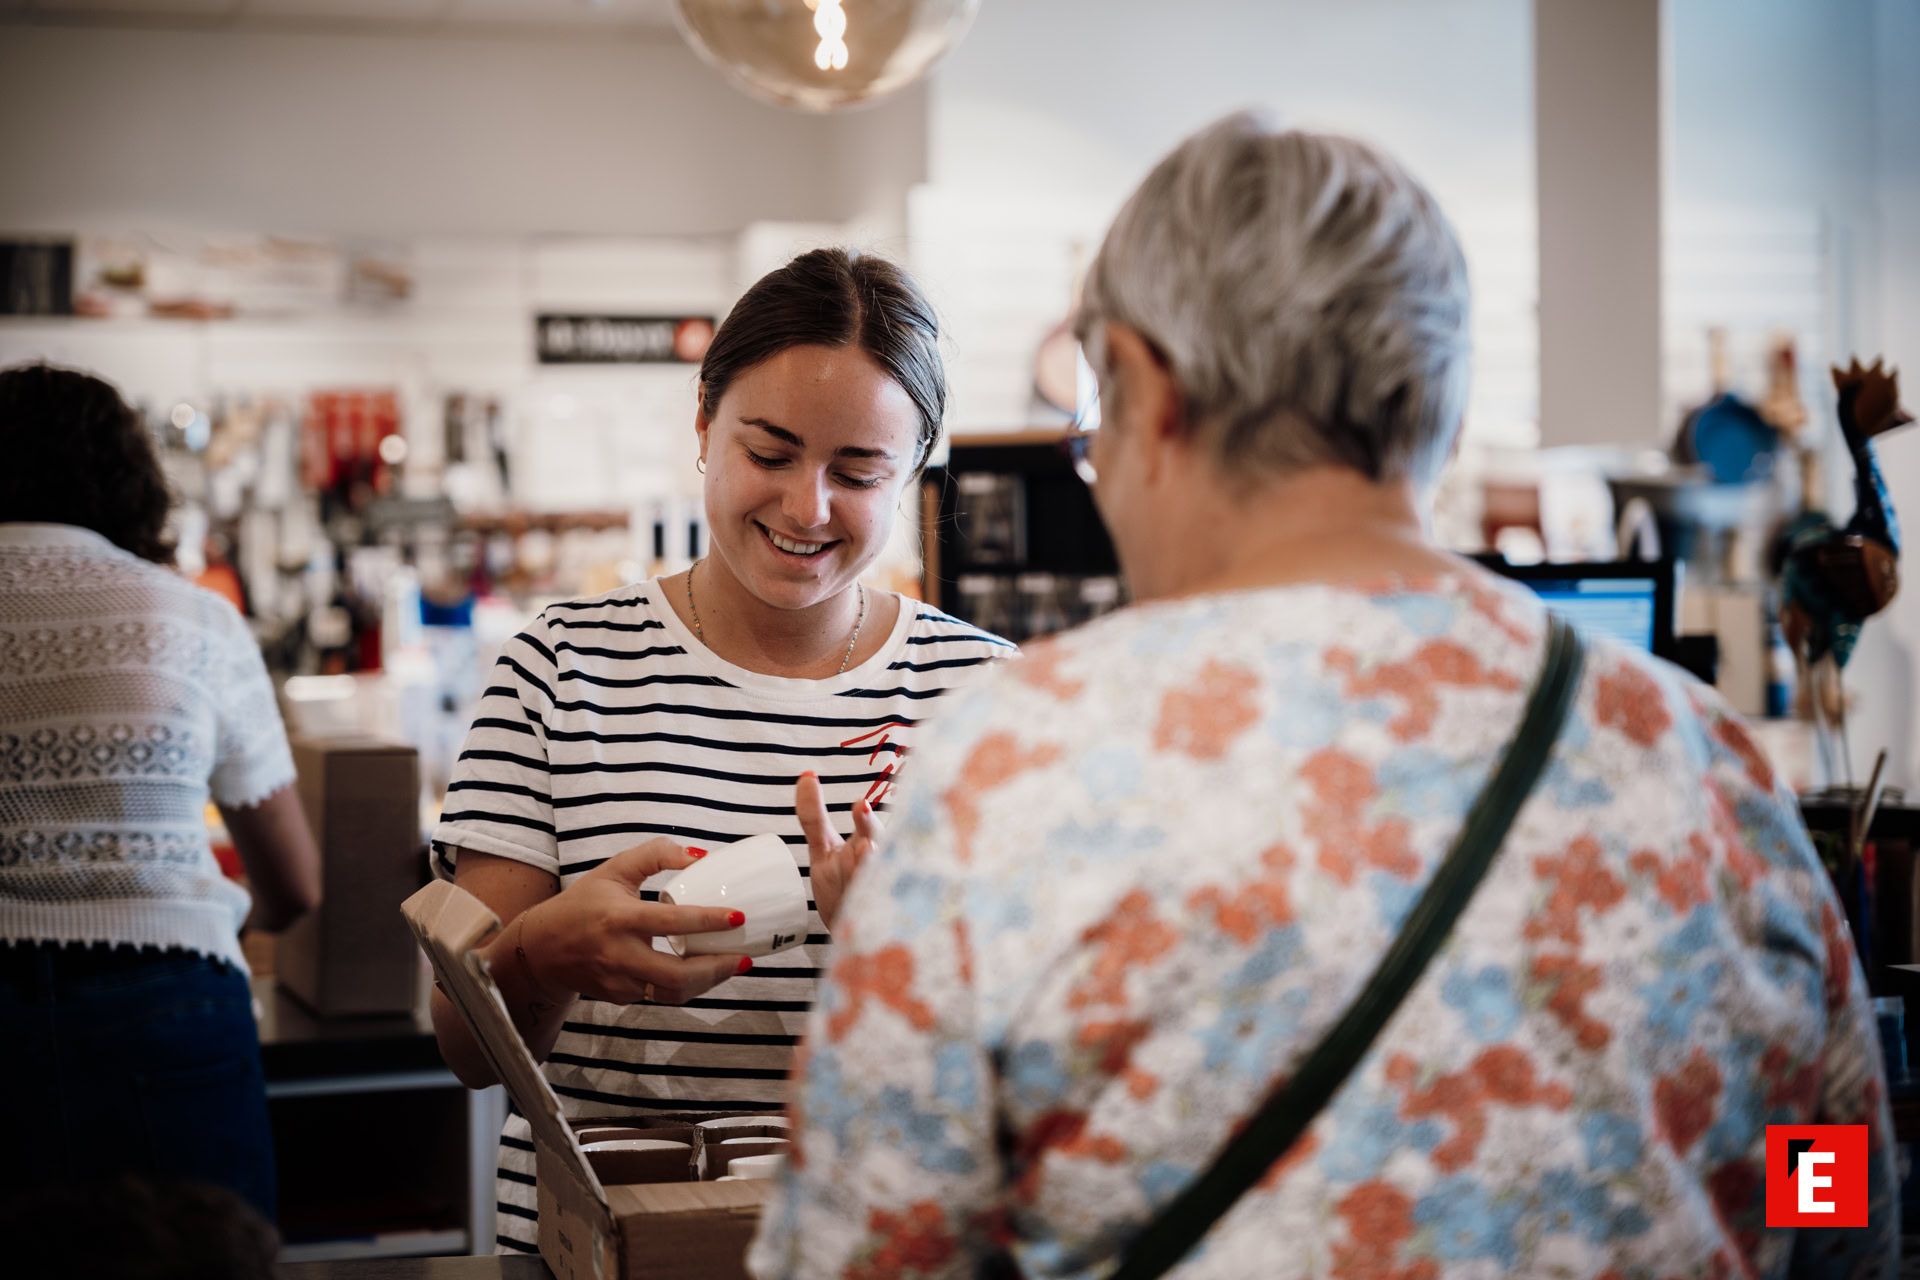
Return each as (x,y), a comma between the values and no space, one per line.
(833,860)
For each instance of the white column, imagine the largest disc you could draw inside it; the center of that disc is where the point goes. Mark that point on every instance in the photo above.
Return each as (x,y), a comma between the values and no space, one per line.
(1599,114)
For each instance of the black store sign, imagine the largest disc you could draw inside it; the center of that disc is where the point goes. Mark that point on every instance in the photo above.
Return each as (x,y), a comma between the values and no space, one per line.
(575,339)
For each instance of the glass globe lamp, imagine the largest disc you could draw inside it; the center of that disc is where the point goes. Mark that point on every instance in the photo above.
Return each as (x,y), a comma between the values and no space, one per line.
(823,55)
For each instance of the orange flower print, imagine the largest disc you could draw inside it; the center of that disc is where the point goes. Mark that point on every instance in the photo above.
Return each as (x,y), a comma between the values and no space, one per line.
(1038,667)
(1682,884)
(1129,938)
(996,760)
(1739,1193)
(1501,1074)
(915,1241)
(1788,1085)
(1114,1043)
(1734,735)
(1343,789)
(1580,879)
(1203,719)
(886,976)
(1296,1155)
(1416,682)
(1061,1133)
(1379,1218)
(1570,983)
(1628,699)
(1245,911)
(1685,1101)
(1839,956)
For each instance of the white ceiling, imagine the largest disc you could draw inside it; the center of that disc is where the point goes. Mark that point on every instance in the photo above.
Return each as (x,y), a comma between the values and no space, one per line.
(573,15)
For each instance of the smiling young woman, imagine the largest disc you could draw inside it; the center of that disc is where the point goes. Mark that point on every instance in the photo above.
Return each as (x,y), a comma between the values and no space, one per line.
(764,690)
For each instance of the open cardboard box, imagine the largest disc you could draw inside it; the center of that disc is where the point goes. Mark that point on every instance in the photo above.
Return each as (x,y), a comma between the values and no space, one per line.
(590,1228)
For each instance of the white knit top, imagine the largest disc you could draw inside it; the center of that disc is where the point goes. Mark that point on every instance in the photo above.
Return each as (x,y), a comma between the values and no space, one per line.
(127,697)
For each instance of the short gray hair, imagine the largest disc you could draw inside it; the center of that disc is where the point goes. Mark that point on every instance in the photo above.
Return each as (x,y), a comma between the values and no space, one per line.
(1307,294)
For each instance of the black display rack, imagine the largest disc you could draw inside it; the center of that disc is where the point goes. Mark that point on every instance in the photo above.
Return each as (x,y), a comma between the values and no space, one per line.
(1012,541)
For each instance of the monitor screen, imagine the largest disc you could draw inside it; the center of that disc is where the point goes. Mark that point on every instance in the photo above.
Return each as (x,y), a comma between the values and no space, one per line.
(1619,607)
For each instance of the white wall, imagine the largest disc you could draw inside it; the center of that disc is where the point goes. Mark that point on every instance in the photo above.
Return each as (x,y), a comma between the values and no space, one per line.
(1050,113)
(1885,671)
(474,133)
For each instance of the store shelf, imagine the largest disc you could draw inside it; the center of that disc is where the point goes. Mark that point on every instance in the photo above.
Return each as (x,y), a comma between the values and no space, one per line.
(401,1244)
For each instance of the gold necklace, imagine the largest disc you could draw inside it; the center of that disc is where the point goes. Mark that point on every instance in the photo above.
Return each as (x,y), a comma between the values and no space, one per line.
(852,640)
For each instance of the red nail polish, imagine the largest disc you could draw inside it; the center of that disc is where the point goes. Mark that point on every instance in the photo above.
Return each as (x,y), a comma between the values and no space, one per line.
(696,853)
(811,774)
(745,964)
(735,919)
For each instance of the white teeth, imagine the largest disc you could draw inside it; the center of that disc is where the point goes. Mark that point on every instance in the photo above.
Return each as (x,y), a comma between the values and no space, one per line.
(797,548)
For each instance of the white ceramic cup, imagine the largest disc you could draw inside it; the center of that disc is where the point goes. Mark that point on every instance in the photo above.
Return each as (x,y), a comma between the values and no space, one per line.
(755,1167)
(756,877)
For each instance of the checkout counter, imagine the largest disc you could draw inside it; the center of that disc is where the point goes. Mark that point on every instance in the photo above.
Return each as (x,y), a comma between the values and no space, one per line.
(381,1152)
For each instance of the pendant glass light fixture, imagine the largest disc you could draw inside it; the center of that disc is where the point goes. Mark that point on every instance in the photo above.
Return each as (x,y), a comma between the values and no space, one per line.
(823,55)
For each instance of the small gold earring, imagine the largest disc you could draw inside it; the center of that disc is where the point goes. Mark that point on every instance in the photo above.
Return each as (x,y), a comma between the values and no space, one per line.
(700,465)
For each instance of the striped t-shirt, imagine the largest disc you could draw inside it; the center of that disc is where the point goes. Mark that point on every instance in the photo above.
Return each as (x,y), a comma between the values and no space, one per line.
(607,723)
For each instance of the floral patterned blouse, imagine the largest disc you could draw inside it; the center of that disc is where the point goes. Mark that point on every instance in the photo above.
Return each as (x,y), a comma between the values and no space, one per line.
(1134,879)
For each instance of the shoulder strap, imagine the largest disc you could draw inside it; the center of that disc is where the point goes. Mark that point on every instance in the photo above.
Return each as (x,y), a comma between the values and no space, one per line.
(1293,1104)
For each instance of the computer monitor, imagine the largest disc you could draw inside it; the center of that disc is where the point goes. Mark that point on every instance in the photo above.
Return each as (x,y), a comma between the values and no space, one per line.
(1629,600)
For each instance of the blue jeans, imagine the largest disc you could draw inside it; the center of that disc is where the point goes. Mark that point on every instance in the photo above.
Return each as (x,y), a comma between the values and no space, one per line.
(117,1060)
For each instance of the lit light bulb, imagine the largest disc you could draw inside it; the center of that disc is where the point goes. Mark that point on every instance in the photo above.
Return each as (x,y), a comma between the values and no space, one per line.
(830,23)
(795,53)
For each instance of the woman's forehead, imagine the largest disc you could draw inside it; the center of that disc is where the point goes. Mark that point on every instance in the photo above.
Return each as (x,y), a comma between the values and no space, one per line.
(826,397)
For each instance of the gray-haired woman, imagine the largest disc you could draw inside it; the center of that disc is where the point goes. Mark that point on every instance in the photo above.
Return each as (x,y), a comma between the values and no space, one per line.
(1140,876)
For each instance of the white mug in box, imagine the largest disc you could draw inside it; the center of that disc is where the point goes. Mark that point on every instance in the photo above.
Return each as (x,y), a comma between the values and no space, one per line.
(756,877)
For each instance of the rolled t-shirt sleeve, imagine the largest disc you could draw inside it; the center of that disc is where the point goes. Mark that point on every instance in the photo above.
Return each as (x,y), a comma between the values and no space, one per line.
(251,756)
(500,797)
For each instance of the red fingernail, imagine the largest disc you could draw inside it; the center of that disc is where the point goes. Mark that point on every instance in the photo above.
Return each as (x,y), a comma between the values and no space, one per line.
(811,774)
(745,964)
(735,919)
(696,853)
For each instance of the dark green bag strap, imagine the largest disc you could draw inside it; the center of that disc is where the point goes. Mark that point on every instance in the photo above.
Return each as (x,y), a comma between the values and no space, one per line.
(1294,1104)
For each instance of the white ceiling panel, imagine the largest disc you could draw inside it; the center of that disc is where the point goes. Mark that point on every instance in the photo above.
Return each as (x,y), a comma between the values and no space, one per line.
(564,13)
(138,8)
(400,11)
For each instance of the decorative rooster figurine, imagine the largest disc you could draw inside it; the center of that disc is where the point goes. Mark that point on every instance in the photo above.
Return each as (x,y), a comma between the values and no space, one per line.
(1835,579)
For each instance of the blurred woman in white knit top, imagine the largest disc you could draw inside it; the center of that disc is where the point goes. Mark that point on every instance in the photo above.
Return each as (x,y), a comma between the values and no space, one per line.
(128,698)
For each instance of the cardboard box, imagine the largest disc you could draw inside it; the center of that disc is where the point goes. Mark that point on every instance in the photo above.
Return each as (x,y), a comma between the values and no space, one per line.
(589,1230)
(354,954)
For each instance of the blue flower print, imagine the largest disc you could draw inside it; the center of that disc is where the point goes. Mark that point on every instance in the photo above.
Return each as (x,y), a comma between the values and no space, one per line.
(1034,1077)
(1741,1110)
(1370,1130)
(1160,1182)
(1421,783)
(1247,1037)
(895,1122)
(1394,896)
(1425,615)
(1308,718)
(1571,791)
(1468,1223)
(830,1100)
(1571,1205)
(1679,996)
(956,1076)
(1110,773)
(1613,1141)
(917,897)
(1485,1001)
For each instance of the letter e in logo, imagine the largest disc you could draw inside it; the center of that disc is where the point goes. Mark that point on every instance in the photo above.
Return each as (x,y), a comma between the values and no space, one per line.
(1816,1175)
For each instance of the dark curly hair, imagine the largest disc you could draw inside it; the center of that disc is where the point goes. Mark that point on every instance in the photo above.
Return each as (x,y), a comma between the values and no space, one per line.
(76,454)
